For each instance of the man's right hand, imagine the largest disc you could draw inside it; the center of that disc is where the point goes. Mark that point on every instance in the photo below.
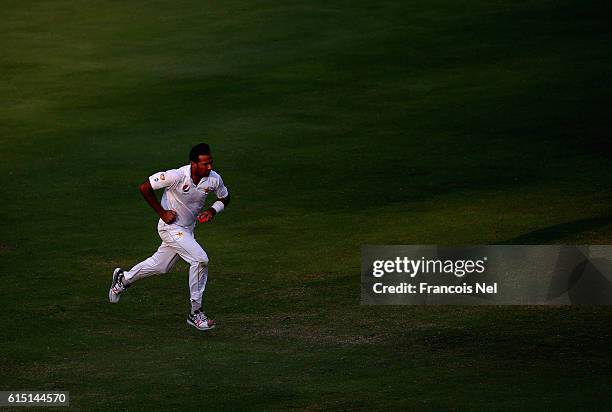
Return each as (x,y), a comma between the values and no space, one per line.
(168,216)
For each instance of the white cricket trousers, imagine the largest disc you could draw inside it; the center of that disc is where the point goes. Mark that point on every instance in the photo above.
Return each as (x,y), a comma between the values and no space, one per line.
(177,241)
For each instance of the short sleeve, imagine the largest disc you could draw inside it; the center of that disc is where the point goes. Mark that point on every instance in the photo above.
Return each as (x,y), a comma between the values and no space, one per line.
(164,179)
(221,190)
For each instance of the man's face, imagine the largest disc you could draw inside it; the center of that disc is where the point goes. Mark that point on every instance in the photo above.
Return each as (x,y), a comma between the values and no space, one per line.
(203,167)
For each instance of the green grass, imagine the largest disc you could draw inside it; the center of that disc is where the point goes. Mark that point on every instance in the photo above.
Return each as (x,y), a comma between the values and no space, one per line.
(334,125)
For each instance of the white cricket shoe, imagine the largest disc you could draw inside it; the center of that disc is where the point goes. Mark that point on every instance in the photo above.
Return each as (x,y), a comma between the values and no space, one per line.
(117,287)
(199,320)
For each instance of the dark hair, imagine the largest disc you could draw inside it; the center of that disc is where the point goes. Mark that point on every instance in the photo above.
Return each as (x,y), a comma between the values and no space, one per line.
(197,150)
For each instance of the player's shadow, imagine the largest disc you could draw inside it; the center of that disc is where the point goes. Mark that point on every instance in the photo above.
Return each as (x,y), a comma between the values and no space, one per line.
(556,232)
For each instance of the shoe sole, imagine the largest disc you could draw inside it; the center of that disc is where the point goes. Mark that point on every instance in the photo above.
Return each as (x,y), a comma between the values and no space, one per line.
(112,298)
(194,325)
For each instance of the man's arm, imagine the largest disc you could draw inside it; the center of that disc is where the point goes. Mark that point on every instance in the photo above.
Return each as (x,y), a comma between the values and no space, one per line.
(209,213)
(148,193)
(225,200)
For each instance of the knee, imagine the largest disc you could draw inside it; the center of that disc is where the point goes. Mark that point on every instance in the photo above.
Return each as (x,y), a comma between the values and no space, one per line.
(200,260)
(163,267)
(157,265)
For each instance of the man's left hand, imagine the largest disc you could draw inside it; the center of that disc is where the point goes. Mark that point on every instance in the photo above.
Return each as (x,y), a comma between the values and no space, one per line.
(207,215)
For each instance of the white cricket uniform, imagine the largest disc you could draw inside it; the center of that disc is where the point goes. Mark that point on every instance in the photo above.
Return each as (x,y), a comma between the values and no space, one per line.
(187,200)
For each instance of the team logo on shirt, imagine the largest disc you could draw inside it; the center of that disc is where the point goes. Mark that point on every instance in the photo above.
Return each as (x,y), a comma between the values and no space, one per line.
(186,188)
(162,176)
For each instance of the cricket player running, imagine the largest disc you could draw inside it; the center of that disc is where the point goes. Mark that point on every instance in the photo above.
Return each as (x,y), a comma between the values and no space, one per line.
(185,191)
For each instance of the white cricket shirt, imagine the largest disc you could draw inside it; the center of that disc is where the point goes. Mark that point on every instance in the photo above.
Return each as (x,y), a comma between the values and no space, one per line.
(183,196)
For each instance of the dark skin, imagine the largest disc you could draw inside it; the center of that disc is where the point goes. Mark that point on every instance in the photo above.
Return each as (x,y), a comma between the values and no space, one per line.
(199,170)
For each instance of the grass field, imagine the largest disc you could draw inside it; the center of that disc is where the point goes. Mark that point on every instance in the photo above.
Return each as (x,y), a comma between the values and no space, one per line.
(334,124)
